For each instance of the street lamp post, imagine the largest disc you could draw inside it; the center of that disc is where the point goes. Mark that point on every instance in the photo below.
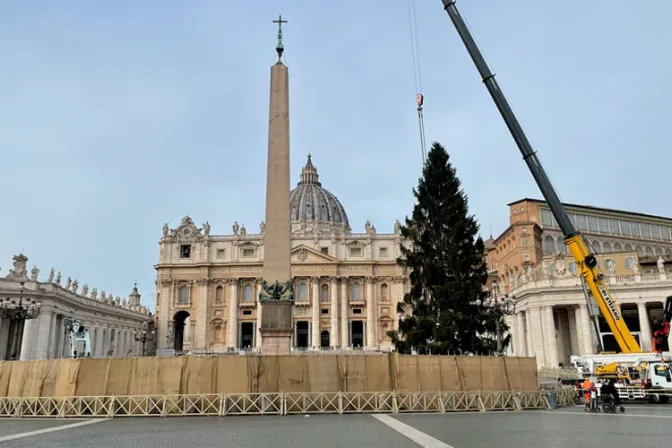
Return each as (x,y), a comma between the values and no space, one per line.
(18,312)
(506,306)
(142,336)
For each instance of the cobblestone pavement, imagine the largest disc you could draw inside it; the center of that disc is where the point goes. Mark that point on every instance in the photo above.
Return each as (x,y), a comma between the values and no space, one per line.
(561,428)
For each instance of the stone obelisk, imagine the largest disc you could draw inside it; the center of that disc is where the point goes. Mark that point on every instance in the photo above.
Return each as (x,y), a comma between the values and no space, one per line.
(276,298)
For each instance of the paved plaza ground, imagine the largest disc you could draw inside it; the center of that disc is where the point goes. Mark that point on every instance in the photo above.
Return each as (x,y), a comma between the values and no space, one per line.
(641,425)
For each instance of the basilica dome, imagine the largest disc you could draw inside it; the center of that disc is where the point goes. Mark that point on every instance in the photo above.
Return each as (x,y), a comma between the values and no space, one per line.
(310,202)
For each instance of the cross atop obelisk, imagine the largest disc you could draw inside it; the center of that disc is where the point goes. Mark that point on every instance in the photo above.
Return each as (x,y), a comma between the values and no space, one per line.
(279,47)
(274,309)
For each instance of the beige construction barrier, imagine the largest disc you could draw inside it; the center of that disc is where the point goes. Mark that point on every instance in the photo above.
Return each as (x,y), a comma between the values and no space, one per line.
(230,385)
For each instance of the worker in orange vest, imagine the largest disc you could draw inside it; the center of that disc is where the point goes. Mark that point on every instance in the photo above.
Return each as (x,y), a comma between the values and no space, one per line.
(587,386)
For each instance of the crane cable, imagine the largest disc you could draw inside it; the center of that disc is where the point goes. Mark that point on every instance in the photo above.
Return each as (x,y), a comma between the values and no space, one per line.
(417,75)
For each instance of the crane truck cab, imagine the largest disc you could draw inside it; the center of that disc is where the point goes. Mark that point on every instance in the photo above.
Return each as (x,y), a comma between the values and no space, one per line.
(637,375)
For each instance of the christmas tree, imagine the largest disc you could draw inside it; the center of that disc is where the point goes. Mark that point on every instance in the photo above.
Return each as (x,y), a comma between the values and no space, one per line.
(444,310)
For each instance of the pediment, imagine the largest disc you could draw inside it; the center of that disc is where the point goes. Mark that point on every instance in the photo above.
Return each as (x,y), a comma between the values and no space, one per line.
(305,254)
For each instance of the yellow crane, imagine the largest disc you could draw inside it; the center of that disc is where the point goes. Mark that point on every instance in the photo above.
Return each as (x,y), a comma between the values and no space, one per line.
(585,260)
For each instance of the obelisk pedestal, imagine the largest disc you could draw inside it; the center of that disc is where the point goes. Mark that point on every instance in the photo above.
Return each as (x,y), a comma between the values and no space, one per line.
(277,298)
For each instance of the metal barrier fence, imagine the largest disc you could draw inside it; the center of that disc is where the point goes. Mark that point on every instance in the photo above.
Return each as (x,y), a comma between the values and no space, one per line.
(282,403)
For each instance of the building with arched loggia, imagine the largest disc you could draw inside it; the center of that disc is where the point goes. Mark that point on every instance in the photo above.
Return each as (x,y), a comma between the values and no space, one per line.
(346,285)
(552,319)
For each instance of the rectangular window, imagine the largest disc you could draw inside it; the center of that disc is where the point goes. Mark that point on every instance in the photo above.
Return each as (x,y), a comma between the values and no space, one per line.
(613,227)
(355,251)
(603,225)
(634,229)
(324,310)
(581,222)
(646,230)
(247,312)
(526,241)
(383,251)
(667,233)
(185,250)
(356,311)
(592,223)
(221,253)
(324,250)
(526,257)
(655,232)
(546,218)
(625,227)
(628,262)
(248,252)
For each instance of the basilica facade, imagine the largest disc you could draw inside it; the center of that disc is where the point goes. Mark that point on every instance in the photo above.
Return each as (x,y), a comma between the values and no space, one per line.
(346,285)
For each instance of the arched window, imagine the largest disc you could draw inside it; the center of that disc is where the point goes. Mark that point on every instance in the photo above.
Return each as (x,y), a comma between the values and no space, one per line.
(218,332)
(639,251)
(648,251)
(618,247)
(562,247)
(356,293)
(324,293)
(219,294)
(384,291)
(668,253)
(184,295)
(628,248)
(248,293)
(659,252)
(302,293)
(597,247)
(606,247)
(549,244)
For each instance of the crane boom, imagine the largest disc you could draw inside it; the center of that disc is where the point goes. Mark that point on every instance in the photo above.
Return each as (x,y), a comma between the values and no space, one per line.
(585,259)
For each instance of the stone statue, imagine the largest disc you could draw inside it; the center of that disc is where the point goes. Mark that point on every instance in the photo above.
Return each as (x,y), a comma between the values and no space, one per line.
(635,266)
(661,265)
(51,276)
(526,274)
(75,286)
(124,303)
(397,227)
(236,227)
(166,230)
(68,283)
(243,231)
(262,227)
(611,266)
(34,273)
(20,271)
(110,299)
(102,295)
(58,278)
(117,300)
(94,294)
(367,226)
(85,290)
(206,228)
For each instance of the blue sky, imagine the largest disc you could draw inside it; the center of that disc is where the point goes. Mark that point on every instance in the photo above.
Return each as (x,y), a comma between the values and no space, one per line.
(120,116)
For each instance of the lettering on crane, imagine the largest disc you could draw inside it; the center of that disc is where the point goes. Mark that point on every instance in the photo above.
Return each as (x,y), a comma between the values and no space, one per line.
(610,303)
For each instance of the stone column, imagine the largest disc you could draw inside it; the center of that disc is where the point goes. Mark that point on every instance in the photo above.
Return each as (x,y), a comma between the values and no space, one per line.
(538,330)
(200,338)
(574,341)
(333,290)
(53,336)
(167,297)
(588,332)
(529,341)
(315,325)
(371,342)
(551,341)
(257,290)
(29,341)
(645,336)
(232,325)
(345,315)
(519,336)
